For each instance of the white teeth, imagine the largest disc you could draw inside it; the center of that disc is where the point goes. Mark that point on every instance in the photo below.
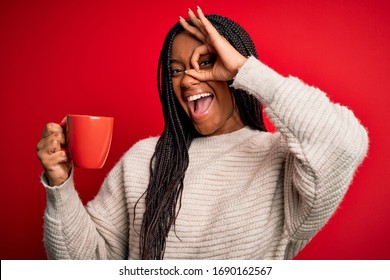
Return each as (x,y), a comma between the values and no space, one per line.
(198,96)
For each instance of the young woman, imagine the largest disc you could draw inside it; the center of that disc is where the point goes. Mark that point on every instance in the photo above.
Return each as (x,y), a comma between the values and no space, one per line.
(215,184)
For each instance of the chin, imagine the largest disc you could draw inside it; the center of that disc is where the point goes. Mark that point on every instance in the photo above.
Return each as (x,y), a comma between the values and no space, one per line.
(206,130)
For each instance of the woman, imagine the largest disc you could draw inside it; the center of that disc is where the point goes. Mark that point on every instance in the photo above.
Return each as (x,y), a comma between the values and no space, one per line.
(215,184)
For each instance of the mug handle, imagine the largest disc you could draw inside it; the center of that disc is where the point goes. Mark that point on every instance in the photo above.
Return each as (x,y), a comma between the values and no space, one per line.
(63,122)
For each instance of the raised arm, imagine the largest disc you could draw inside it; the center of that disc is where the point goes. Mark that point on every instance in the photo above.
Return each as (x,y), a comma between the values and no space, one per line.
(325,142)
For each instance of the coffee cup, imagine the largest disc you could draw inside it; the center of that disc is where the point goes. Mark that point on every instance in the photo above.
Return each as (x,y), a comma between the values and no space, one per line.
(88,139)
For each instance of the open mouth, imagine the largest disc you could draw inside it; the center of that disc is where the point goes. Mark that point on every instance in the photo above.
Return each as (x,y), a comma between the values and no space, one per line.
(199,104)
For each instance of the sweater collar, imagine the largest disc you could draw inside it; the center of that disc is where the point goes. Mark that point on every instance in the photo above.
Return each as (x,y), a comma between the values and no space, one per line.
(223,140)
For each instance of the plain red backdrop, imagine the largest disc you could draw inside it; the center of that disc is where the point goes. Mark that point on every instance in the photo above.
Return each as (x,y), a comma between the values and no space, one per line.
(100,57)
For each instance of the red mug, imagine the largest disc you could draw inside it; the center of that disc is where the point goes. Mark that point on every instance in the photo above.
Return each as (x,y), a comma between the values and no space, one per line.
(88,139)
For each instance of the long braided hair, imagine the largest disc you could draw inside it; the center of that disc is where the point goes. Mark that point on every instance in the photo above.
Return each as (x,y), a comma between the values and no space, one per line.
(170,159)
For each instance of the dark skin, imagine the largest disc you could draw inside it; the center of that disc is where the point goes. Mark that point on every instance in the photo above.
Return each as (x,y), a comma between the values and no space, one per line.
(228,59)
(219,114)
(53,158)
(206,40)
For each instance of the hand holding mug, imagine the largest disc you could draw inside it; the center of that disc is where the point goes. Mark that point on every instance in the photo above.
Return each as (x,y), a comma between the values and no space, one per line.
(53,157)
(81,140)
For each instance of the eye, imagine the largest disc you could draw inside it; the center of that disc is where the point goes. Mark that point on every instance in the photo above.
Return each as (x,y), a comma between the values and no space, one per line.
(176,71)
(207,61)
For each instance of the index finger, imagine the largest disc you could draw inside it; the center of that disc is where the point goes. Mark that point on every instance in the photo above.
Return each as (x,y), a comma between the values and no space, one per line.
(50,129)
(196,21)
(213,34)
(192,30)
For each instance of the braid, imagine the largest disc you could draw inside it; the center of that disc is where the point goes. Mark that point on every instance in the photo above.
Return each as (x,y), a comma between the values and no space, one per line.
(170,159)
(249,107)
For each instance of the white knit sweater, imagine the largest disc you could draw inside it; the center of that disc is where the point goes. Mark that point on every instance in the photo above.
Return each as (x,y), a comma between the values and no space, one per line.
(247,194)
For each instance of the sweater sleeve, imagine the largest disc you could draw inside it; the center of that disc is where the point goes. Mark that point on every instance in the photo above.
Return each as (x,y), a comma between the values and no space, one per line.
(96,231)
(325,142)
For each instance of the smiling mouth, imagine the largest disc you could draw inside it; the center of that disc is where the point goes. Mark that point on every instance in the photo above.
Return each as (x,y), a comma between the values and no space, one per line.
(199,104)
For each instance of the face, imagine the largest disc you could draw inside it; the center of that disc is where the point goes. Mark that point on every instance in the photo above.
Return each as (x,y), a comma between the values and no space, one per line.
(209,105)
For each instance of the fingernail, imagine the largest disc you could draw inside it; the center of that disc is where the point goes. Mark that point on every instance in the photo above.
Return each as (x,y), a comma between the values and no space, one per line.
(189,10)
(180,18)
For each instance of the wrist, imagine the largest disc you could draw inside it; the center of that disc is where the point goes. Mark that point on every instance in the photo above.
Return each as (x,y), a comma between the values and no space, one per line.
(240,63)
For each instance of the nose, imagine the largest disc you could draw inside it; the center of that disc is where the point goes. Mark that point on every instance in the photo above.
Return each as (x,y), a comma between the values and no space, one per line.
(188,81)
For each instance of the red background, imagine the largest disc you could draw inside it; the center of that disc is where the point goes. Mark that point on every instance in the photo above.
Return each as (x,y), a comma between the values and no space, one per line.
(100,57)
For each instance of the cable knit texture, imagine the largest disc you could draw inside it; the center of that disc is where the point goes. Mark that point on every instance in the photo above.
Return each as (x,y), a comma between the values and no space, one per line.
(247,194)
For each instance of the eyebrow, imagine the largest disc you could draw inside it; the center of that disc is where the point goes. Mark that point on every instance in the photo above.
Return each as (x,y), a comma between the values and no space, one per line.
(174,61)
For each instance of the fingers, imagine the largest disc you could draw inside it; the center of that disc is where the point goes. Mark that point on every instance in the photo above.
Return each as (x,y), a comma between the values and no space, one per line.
(56,163)
(52,138)
(50,145)
(50,161)
(197,22)
(207,29)
(202,75)
(52,155)
(198,52)
(192,30)
(51,128)
(228,59)
(204,31)
(199,30)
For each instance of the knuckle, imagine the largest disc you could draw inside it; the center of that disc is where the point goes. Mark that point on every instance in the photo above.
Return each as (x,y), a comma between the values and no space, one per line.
(48,130)
(52,127)
(40,155)
(54,143)
(38,147)
(45,162)
(63,155)
(49,127)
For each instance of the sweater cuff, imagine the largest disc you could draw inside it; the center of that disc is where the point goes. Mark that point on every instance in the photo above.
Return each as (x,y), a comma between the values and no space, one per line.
(258,79)
(63,197)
